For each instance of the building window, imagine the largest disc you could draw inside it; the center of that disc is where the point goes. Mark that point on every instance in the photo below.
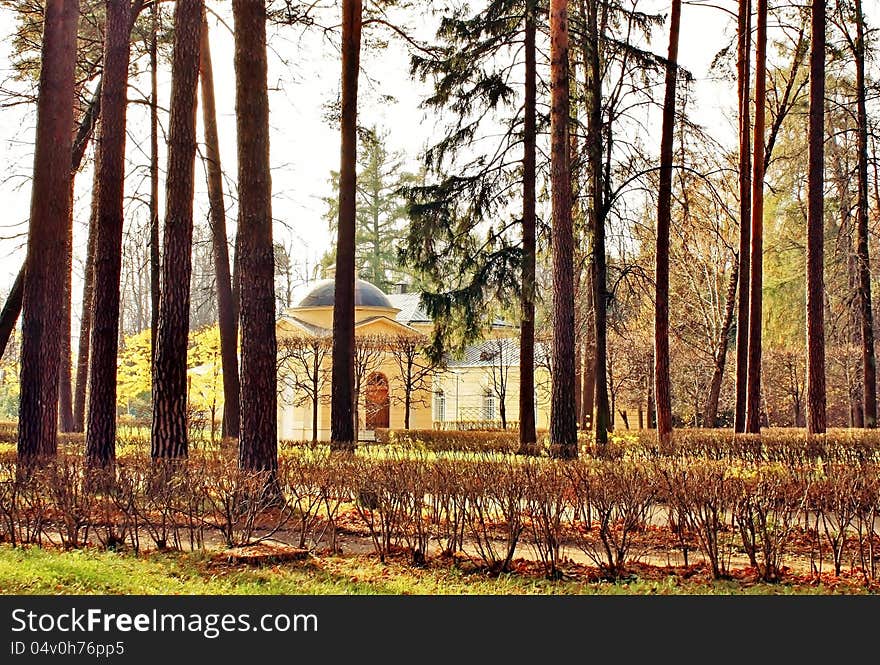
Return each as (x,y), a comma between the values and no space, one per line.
(440,406)
(489,406)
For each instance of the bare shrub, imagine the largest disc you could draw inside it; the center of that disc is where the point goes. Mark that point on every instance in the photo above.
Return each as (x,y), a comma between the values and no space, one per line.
(701,493)
(379,500)
(834,500)
(237,499)
(549,507)
(447,505)
(622,496)
(70,501)
(493,491)
(769,501)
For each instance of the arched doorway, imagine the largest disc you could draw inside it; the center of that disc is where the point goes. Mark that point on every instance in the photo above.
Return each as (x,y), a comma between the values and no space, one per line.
(378,402)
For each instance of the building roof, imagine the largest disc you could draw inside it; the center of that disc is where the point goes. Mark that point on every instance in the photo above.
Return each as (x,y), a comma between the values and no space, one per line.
(498,350)
(410,306)
(365,295)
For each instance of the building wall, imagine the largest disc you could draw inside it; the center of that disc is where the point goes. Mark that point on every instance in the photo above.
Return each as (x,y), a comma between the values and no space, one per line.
(465,391)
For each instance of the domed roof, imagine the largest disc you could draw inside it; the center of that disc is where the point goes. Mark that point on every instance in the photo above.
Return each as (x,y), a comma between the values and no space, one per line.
(365,295)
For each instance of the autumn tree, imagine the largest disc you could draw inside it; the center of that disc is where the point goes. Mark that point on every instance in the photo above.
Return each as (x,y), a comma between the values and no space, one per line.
(101,430)
(756,260)
(49,215)
(477,175)
(664,214)
(219,243)
(563,419)
(816,421)
(343,406)
(744,33)
(169,433)
(258,441)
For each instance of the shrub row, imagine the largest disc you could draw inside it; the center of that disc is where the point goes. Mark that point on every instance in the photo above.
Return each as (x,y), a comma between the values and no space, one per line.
(611,510)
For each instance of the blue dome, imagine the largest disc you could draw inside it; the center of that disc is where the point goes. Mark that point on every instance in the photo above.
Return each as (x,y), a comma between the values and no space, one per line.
(365,295)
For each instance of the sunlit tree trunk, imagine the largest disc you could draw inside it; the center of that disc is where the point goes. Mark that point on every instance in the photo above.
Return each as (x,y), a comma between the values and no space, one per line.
(744,42)
(47,237)
(227,321)
(527,435)
(101,430)
(664,214)
(85,322)
(563,410)
(169,433)
(343,405)
(816,422)
(710,417)
(258,441)
(599,275)
(756,283)
(869,361)
(65,369)
(155,240)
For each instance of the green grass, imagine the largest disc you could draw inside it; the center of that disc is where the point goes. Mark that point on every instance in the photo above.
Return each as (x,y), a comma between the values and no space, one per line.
(46,571)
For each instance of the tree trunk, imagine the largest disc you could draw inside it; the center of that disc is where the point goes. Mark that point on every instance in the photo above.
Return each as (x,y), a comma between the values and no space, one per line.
(101,430)
(227,322)
(816,422)
(65,369)
(527,434)
(169,433)
(744,29)
(258,447)
(756,283)
(85,323)
(710,417)
(11,310)
(343,407)
(664,214)
(869,362)
(563,410)
(597,222)
(47,236)
(588,389)
(155,240)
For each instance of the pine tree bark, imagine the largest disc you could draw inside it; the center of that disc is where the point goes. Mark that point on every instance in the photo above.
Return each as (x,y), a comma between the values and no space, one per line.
(756,283)
(527,434)
(603,419)
(258,441)
(155,240)
(85,323)
(169,431)
(744,29)
(563,410)
(869,361)
(664,215)
(343,397)
(101,430)
(50,201)
(65,387)
(710,417)
(11,310)
(816,419)
(227,321)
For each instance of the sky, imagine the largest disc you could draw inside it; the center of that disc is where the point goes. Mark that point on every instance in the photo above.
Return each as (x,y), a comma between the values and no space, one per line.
(304,145)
